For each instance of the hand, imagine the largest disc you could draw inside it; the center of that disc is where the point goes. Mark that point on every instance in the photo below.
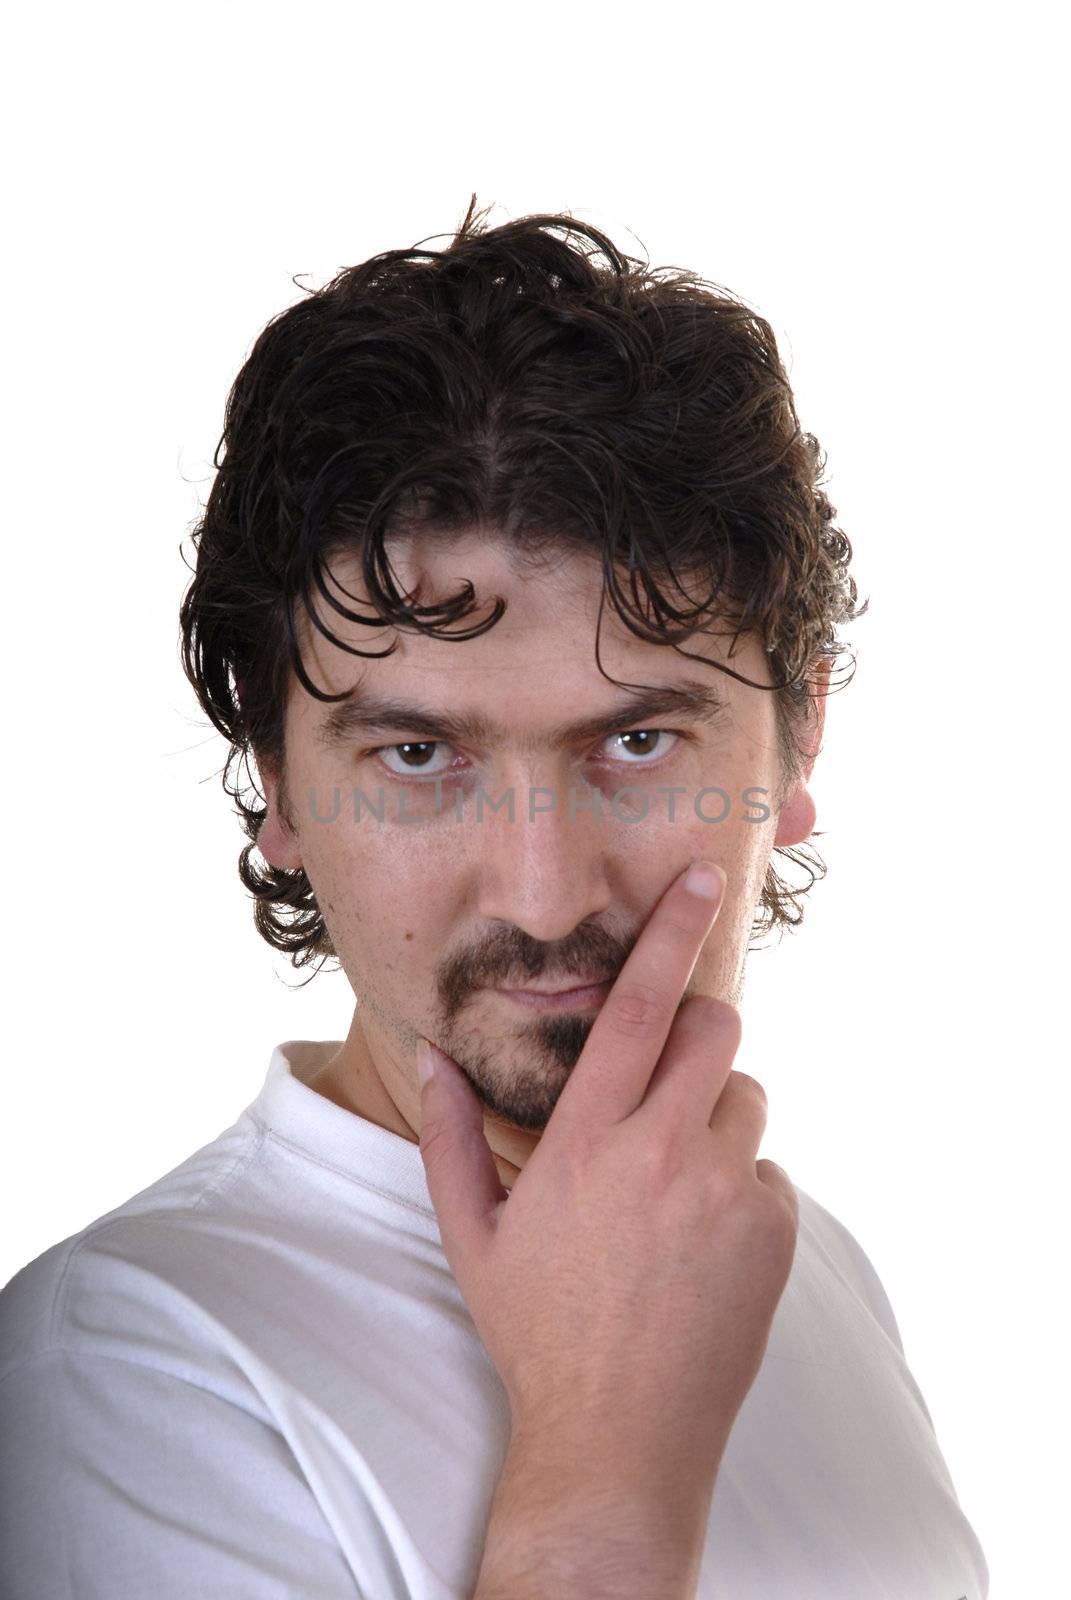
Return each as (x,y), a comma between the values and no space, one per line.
(625,1287)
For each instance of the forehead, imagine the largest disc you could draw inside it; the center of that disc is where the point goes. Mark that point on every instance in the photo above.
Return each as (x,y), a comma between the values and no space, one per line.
(542,647)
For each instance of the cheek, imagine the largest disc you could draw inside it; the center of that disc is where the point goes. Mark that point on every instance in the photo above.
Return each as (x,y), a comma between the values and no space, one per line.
(378,890)
(742,849)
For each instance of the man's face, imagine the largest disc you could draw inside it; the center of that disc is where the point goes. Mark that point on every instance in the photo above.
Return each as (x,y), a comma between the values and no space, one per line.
(447,901)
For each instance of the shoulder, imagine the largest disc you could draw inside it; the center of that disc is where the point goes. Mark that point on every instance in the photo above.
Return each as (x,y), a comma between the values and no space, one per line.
(825,1234)
(93,1288)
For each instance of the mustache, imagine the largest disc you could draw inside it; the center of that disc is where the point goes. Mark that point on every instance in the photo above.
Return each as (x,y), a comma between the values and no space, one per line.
(513,957)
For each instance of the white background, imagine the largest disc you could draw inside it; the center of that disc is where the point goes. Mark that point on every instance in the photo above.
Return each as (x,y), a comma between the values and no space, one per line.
(884,186)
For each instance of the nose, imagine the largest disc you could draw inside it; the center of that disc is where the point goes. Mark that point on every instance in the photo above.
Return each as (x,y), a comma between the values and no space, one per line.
(544,870)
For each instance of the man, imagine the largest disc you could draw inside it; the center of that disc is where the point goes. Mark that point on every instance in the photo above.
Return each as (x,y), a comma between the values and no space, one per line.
(517,583)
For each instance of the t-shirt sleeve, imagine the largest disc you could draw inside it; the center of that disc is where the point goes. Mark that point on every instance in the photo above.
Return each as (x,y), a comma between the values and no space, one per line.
(863,1275)
(120,1482)
(872,1287)
(852,1263)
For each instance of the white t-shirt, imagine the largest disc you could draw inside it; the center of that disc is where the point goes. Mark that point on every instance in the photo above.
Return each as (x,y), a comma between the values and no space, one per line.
(257,1379)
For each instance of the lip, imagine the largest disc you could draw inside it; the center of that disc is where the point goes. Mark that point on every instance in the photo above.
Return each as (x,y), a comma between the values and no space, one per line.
(575,999)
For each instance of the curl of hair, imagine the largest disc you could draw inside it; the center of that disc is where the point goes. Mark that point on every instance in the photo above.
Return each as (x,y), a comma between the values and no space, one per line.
(534,380)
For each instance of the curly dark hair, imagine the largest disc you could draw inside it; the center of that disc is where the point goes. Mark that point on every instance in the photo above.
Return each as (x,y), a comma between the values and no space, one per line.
(513,381)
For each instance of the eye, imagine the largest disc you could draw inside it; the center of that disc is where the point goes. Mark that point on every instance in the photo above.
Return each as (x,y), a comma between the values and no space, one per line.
(414,757)
(640,746)
(637,742)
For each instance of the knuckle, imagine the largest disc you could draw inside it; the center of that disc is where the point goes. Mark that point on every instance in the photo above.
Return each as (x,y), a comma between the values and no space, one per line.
(780,1226)
(712,1021)
(720,1017)
(436,1141)
(637,1010)
(752,1208)
(729,1187)
(744,1083)
(681,928)
(658,1159)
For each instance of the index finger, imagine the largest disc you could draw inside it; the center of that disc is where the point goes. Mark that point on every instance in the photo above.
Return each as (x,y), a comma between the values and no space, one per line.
(618,1060)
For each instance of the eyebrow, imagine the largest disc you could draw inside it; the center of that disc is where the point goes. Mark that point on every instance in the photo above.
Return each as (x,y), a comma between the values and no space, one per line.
(690,700)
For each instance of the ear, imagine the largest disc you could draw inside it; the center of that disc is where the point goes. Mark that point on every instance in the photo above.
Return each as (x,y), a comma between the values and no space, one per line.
(798,815)
(277,840)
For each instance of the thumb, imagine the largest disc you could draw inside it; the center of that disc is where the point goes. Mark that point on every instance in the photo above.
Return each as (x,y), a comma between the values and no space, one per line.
(462,1177)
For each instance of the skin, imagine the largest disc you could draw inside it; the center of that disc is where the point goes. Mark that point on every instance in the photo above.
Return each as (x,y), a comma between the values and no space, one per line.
(427,917)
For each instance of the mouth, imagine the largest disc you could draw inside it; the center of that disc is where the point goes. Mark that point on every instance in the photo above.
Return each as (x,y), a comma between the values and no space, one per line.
(578,997)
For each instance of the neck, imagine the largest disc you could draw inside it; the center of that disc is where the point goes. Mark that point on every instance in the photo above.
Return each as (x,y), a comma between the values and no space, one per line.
(371,1081)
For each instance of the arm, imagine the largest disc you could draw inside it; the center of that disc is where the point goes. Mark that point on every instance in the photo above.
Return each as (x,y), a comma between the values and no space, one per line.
(625,1286)
(119,1479)
(575,1525)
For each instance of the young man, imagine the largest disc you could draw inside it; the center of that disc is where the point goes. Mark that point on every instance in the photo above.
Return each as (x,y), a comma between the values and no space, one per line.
(517,583)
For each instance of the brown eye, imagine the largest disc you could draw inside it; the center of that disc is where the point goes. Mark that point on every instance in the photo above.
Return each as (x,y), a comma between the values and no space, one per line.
(640,743)
(414,757)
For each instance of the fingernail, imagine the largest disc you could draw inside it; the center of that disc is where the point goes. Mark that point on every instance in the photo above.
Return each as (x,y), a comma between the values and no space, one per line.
(704,879)
(425,1062)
